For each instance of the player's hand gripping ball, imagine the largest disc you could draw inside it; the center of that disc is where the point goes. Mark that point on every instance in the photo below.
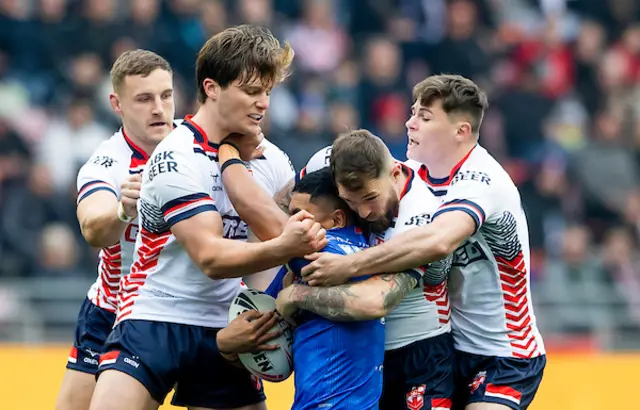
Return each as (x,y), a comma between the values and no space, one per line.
(270,365)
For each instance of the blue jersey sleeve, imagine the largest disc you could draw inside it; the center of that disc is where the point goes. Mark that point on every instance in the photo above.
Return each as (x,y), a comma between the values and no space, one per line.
(276,285)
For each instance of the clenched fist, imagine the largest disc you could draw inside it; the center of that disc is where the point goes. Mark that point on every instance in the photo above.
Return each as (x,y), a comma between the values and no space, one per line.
(302,235)
(130,193)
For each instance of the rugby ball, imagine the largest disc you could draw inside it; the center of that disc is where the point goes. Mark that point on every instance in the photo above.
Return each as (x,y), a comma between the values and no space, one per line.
(272,365)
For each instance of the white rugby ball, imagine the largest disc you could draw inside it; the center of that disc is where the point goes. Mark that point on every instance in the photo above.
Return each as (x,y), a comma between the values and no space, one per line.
(273,365)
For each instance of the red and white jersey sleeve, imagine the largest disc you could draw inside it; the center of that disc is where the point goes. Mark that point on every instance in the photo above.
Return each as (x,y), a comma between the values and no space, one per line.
(490,284)
(112,162)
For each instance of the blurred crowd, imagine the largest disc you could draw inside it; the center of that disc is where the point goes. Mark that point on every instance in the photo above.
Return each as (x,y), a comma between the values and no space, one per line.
(562,78)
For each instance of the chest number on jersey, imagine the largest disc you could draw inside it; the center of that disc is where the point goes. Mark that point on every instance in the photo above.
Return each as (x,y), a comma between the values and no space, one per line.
(161,163)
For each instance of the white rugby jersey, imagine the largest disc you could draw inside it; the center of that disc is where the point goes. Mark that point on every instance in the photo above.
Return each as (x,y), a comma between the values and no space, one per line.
(425,311)
(181,180)
(489,285)
(111,163)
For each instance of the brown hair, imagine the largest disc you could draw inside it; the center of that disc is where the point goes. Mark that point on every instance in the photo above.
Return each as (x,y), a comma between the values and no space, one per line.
(358,157)
(136,62)
(458,95)
(242,52)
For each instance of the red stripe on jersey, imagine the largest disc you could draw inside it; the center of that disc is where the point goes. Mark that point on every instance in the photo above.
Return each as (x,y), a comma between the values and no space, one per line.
(146,258)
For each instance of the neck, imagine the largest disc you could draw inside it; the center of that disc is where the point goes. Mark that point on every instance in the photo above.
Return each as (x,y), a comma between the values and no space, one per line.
(207,119)
(441,166)
(145,146)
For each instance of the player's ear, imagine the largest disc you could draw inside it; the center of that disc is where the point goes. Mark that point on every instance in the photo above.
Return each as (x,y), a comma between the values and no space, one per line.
(464,130)
(339,218)
(211,88)
(115,103)
(396,170)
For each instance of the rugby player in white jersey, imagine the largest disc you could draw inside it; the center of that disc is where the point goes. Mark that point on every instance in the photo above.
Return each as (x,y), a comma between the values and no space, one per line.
(501,355)
(419,356)
(108,188)
(191,248)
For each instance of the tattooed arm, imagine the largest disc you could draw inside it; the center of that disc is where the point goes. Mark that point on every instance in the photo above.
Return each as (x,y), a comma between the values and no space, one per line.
(365,300)
(283,197)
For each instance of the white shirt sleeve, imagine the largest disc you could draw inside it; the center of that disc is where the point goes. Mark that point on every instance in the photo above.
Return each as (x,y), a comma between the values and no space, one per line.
(475,193)
(99,173)
(275,167)
(173,183)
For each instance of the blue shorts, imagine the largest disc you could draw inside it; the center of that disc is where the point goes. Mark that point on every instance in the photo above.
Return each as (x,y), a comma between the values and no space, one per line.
(508,381)
(419,376)
(162,356)
(93,327)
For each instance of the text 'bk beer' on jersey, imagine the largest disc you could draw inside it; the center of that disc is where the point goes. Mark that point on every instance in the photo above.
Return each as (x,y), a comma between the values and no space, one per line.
(181,180)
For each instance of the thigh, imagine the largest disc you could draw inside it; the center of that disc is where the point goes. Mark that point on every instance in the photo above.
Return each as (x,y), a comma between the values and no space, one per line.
(209,381)
(148,352)
(505,381)
(116,390)
(76,391)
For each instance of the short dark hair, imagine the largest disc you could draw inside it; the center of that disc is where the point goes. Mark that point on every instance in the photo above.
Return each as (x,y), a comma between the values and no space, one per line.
(357,157)
(319,185)
(243,52)
(136,62)
(458,95)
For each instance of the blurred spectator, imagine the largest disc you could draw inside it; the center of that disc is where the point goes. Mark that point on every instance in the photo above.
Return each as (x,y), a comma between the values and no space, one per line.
(58,251)
(28,209)
(69,142)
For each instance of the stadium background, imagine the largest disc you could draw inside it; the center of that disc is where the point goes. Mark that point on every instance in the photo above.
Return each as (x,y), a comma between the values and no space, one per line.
(562,78)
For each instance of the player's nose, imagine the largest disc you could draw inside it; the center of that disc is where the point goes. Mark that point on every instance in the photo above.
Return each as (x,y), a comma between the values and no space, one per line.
(410,124)
(264,101)
(364,211)
(158,108)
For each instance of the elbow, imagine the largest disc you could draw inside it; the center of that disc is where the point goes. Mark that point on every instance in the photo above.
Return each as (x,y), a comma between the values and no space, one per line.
(375,309)
(209,266)
(94,236)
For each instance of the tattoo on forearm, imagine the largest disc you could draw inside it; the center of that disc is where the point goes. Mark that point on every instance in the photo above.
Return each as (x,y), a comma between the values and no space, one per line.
(283,198)
(400,285)
(327,302)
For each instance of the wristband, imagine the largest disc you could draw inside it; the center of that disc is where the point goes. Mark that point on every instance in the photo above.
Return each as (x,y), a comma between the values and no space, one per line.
(225,142)
(122,216)
(230,162)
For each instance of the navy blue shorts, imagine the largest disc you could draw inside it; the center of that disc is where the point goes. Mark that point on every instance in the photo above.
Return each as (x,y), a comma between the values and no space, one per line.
(419,376)
(93,328)
(508,381)
(162,356)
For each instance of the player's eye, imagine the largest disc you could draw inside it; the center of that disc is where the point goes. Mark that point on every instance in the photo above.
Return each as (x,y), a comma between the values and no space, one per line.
(373,198)
(167,95)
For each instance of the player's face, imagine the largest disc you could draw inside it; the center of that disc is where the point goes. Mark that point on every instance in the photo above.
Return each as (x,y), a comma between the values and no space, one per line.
(321,210)
(242,107)
(146,105)
(376,204)
(430,131)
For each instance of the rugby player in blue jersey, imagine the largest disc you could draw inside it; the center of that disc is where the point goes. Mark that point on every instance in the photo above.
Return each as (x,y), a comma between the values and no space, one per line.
(337,365)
